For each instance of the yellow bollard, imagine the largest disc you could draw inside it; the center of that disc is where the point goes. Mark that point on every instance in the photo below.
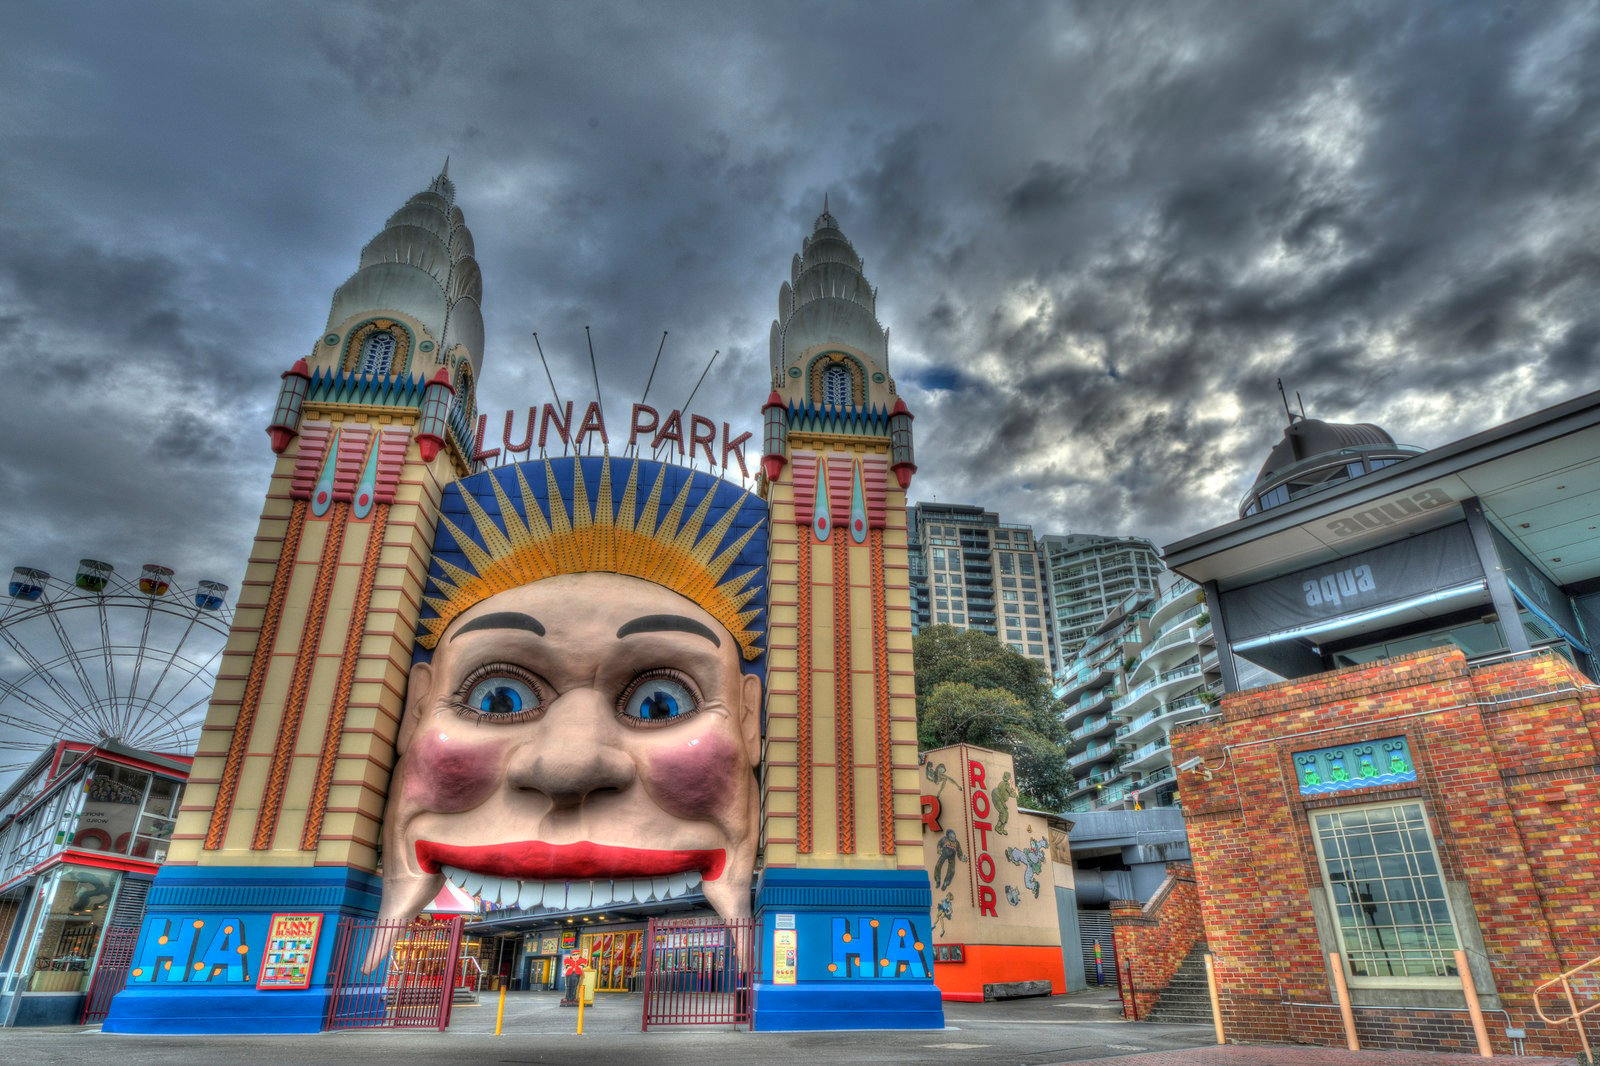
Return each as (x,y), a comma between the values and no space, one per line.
(580,1006)
(1216,1007)
(499,1019)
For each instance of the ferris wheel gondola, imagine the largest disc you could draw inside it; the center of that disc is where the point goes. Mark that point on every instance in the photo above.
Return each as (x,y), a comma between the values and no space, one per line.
(104,657)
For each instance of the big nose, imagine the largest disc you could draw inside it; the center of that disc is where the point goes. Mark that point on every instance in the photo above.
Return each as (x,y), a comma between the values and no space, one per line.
(573,756)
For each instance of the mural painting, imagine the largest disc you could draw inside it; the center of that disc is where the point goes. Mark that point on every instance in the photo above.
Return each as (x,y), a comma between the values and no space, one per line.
(996,902)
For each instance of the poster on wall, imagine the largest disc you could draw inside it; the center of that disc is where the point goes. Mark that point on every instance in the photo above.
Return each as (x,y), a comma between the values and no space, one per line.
(549,944)
(290,952)
(785,957)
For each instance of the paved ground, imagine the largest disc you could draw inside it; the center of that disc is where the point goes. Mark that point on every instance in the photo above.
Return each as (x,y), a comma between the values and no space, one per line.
(1085,1028)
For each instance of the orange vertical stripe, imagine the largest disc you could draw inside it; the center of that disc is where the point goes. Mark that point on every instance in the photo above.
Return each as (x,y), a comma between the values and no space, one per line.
(256,679)
(300,682)
(347,674)
(844,756)
(803,768)
(880,693)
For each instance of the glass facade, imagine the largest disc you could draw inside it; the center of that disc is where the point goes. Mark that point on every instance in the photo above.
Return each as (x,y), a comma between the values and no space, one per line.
(57,950)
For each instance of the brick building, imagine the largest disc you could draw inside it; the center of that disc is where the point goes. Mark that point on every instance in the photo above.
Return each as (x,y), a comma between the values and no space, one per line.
(1480,832)
(1425,783)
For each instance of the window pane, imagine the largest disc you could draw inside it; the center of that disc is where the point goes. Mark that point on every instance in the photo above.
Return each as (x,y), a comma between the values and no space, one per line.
(1388,898)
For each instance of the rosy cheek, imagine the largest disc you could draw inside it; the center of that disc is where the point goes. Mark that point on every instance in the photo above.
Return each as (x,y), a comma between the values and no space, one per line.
(697,779)
(445,774)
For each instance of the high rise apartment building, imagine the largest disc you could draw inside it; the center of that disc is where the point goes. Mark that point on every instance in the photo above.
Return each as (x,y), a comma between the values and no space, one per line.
(973,571)
(1150,664)
(1089,575)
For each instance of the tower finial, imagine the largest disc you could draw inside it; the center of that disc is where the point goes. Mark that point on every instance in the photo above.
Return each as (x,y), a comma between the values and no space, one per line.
(825,202)
(444,172)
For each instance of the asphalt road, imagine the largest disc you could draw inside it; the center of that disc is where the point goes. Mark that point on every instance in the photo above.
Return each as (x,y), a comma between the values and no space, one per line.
(1033,1032)
(1029,1032)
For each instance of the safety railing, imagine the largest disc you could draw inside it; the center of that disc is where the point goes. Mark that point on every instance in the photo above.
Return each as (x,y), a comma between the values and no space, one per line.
(1573,1015)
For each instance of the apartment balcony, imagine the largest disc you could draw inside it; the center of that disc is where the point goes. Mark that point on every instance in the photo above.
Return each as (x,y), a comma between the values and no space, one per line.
(1094,788)
(1086,676)
(1102,752)
(1088,703)
(1147,756)
(1177,599)
(1147,695)
(1173,646)
(1164,718)
(1093,727)
(1158,776)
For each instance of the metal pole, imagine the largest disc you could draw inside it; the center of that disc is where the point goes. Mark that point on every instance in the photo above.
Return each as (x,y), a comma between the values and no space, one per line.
(1473,1007)
(1343,994)
(1216,1008)
(499,1019)
(1577,1020)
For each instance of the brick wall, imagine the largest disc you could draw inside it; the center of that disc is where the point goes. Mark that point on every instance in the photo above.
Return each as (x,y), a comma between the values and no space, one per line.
(1507,772)
(1156,937)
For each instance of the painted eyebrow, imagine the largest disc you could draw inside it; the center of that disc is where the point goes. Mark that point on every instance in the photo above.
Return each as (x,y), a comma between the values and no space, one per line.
(502,620)
(667,623)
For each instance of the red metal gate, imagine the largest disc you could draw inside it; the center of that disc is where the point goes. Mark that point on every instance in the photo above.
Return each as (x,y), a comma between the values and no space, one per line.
(699,971)
(412,982)
(110,972)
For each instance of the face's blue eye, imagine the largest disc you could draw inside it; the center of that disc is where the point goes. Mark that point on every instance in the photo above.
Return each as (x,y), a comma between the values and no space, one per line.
(659,699)
(499,697)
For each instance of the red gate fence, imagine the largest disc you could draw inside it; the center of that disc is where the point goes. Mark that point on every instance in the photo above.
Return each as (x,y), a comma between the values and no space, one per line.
(110,972)
(412,983)
(699,971)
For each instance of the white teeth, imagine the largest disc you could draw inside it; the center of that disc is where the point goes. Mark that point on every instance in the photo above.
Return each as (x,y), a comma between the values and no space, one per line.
(572,895)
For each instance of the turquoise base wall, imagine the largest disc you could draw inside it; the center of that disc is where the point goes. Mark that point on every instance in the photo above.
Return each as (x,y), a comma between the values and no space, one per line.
(191,976)
(864,951)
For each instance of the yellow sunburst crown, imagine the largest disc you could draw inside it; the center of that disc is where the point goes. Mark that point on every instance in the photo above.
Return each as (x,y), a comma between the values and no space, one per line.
(514,525)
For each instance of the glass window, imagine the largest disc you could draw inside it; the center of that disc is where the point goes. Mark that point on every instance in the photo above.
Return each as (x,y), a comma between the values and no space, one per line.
(377,353)
(1389,905)
(836,386)
(1008,563)
(160,815)
(72,908)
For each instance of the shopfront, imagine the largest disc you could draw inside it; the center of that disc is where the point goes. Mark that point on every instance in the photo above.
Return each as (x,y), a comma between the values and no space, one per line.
(616,956)
(81,835)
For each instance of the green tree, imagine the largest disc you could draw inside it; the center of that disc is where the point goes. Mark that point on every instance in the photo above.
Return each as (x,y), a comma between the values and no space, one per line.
(972,689)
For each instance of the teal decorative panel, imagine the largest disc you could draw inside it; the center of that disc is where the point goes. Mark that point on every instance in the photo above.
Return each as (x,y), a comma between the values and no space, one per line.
(1350,766)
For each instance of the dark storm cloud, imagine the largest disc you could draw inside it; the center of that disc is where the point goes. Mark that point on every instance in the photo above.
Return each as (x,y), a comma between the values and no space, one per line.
(1101,232)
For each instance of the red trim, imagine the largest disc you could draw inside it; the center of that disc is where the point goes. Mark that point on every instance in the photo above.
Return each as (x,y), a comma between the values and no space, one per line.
(97,859)
(537,860)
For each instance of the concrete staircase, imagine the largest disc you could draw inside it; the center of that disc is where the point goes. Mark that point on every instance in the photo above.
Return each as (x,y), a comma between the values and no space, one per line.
(1186,999)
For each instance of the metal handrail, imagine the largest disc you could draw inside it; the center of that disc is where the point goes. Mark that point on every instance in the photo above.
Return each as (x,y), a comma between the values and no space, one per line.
(1572,1004)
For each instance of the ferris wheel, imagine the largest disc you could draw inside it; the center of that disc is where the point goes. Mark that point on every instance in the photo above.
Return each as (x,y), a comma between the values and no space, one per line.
(106,657)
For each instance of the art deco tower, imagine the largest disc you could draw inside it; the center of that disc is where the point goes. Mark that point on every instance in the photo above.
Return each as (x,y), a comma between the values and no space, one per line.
(843,829)
(283,808)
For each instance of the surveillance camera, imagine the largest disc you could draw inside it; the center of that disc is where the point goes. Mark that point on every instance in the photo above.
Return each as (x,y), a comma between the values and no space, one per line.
(1190,764)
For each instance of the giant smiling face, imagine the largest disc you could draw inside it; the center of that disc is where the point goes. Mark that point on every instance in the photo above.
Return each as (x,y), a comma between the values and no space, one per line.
(582,740)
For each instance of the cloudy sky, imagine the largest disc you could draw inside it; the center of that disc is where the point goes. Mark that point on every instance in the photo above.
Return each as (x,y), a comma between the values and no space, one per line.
(1100,232)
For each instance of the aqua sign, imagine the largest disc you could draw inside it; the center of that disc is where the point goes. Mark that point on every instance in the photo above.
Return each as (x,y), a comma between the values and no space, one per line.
(1350,766)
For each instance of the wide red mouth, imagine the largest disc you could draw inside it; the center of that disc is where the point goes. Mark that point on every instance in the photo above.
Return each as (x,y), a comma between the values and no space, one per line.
(534,860)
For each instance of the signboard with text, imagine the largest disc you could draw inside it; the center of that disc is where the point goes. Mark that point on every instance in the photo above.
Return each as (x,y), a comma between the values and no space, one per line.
(290,952)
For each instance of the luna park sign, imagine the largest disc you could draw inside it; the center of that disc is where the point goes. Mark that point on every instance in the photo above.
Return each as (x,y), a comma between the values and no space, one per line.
(549,426)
